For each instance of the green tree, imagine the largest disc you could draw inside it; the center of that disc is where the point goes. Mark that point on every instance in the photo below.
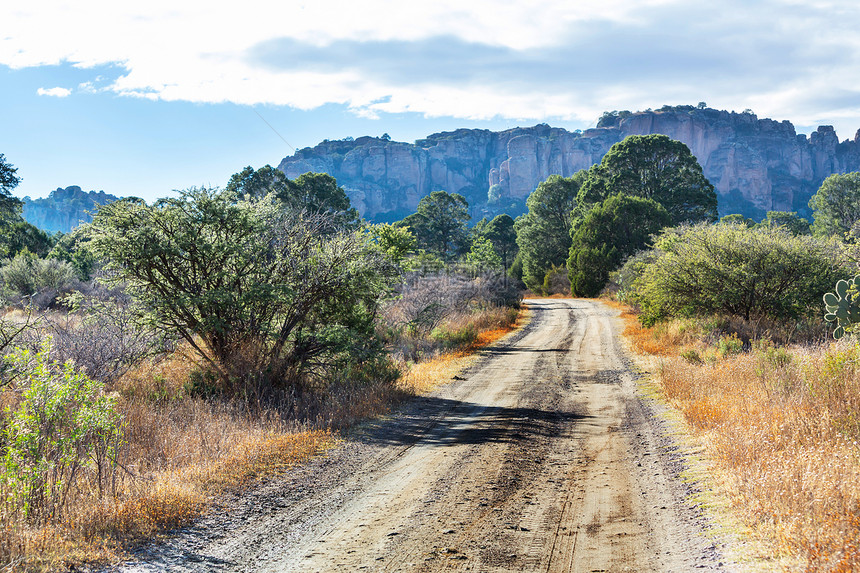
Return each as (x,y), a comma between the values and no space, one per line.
(18,235)
(737,219)
(611,231)
(483,254)
(836,205)
(258,183)
(254,289)
(439,223)
(313,192)
(733,270)
(501,233)
(320,193)
(396,242)
(74,248)
(10,206)
(654,167)
(792,223)
(543,234)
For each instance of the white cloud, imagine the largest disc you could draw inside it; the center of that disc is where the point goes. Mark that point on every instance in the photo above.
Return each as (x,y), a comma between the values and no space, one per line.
(54,92)
(555,59)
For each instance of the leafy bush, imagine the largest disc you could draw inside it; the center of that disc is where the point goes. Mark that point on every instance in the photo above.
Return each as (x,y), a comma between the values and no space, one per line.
(763,273)
(730,344)
(256,290)
(25,275)
(64,423)
(458,338)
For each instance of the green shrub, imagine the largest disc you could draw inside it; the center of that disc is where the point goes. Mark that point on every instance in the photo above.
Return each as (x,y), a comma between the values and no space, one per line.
(457,338)
(25,274)
(763,273)
(730,344)
(692,356)
(64,424)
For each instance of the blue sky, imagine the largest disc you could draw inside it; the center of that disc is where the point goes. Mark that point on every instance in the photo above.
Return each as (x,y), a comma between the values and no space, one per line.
(143,99)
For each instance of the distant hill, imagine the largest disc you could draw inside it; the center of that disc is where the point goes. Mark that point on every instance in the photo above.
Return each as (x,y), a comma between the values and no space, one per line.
(756,165)
(64,209)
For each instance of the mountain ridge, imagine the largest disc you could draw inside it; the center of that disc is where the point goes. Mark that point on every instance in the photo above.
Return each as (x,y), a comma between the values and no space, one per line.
(756,165)
(64,208)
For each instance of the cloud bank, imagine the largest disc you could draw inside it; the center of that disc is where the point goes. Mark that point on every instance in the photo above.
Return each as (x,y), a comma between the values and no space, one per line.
(557,60)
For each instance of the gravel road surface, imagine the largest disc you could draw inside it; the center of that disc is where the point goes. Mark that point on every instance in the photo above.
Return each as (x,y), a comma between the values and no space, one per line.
(542,457)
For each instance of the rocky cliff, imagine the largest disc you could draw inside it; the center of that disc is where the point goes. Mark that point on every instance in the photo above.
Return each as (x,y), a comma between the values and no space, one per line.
(64,209)
(756,165)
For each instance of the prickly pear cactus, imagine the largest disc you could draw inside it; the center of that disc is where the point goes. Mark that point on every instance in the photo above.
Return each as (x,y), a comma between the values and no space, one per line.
(843,306)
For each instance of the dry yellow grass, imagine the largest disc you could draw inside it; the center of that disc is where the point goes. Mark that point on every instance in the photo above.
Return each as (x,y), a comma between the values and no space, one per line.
(183,452)
(424,377)
(781,427)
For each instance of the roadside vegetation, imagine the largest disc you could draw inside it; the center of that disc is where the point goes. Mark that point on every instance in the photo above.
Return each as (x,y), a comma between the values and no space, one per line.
(733,315)
(172,353)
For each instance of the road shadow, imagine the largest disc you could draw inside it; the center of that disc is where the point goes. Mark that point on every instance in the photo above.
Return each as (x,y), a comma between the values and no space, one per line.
(442,422)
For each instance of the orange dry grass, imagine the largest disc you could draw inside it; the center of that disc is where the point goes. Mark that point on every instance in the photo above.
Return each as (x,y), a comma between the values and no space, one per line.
(428,375)
(782,431)
(659,340)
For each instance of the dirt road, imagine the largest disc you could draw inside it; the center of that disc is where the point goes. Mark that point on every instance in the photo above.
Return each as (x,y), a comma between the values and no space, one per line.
(542,458)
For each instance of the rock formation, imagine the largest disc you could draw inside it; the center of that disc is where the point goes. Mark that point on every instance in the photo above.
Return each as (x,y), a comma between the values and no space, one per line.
(756,165)
(64,209)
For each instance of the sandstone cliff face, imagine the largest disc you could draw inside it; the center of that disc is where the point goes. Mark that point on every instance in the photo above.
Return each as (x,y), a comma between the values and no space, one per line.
(756,165)
(64,209)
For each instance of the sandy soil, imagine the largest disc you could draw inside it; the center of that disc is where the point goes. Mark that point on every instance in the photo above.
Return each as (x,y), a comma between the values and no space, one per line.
(540,457)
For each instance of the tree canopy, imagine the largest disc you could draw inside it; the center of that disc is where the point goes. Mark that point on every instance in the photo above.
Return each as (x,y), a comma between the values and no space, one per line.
(610,232)
(543,234)
(654,167)
(501,233)
(16,234)
(439,224)
(10,206)
(312,192)
(789,220)
(257,183)
(836,205)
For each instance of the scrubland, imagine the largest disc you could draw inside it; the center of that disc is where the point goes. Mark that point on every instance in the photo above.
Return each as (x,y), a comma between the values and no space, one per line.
(180,450)
(780,423)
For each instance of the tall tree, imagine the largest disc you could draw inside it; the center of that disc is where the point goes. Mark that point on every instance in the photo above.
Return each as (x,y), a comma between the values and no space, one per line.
(501,233)
(16,234)
(610,232)
(654,167)
(836,205)
(439,223)
(312,192)
(543,234)
(258,183)
(10,206)
(320,193)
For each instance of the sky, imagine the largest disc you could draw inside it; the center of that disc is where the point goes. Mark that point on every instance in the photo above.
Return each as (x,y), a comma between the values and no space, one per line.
(141,99)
